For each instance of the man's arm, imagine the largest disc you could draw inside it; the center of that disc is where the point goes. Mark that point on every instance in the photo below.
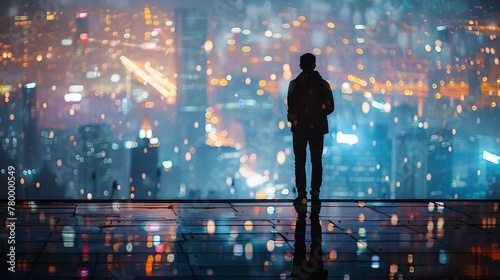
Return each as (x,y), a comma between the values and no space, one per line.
(329,104)
(291,98)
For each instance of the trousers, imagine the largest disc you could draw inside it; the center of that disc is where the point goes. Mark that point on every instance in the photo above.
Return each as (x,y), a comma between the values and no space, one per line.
(315,141)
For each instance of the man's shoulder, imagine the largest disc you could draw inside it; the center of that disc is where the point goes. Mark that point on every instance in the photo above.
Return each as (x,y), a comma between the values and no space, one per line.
(293,82)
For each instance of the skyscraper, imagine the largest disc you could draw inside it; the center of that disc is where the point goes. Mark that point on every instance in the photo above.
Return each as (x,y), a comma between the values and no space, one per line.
(144,169)
(191,32)
(95,174)
(82,32)
(30,128)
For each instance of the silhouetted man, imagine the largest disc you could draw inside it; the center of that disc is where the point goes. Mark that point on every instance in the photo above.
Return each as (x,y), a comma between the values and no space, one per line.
(310,101)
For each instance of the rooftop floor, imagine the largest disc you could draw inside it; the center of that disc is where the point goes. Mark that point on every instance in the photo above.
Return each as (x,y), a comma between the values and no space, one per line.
(250,240)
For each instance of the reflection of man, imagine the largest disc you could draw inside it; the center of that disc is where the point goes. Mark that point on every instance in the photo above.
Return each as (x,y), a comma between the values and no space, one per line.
(310,101)
(312,268)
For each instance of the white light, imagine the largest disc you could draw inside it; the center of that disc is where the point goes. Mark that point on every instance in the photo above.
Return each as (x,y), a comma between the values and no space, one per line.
(441,28)
(30,85)
(152,226)
(490,157)
(154,142)
(68,236)
(148,45)
(130,144)
(378,105)
(167,164)
(346,85)
(349,139)
(115,78)
(92,74)
(255,180)
(129,247)
(235,30)
(156,240)
(75,88)
(208,127)
(66,42)
(359,26)
(250,102)
(238,250)
(73,97)
(81,15)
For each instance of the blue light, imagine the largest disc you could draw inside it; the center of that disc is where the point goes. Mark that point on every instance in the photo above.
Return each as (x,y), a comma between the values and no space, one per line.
(375,262)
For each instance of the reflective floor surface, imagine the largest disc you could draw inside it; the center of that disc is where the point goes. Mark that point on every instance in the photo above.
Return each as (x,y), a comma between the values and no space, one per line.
(250,240)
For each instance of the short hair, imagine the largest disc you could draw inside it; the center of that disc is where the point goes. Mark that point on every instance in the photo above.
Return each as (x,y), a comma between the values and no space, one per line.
(307,61)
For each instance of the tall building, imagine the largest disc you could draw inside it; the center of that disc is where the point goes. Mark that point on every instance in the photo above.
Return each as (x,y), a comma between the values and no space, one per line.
(409,155)
(10,127)
(81,37)
(58,154)
(144,169)
(251,121)
(95,173)
(82,30)
(357,155)
(30,128)
(191,33)
(440,165)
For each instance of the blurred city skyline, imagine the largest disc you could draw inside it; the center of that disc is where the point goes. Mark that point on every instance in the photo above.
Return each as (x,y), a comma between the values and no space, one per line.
(182,100)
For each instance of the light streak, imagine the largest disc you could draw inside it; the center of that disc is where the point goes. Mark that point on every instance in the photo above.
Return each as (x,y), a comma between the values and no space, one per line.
(154,78)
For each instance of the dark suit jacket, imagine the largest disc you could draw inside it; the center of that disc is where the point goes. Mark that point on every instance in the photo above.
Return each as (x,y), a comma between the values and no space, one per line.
(310,101)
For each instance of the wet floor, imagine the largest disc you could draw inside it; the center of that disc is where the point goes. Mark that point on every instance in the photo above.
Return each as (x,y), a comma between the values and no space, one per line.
(255,239)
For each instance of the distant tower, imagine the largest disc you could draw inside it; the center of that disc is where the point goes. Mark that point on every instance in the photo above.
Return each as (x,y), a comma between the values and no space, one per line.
(82,30)
(30,129)
(144,168)
(10,128)
(191,29)
(146,130)
(81,37)
(96,158)
(191,32)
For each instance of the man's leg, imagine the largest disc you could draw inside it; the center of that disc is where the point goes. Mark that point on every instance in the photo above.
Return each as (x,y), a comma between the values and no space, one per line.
(316,147)
(299,150)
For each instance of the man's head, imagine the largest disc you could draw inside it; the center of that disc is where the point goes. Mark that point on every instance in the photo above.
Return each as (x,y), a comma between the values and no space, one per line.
(307,61)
